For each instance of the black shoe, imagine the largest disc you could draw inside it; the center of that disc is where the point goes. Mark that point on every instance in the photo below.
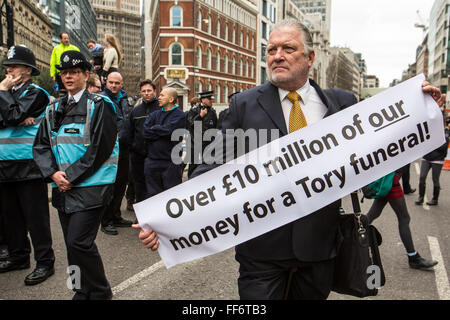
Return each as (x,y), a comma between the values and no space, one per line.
(410,191)
(432,202)
(9,265)
(40,274)
(417,262)
(122,223)
(80,296)
(109,229)
(419,201)
(4,254)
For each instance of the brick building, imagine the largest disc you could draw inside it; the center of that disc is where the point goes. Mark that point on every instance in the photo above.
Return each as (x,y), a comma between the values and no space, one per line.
(204,45)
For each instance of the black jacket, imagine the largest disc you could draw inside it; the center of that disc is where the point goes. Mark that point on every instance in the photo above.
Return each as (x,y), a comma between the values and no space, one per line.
(209,121)
(123,112)
(103,138)
(13,110)
(438,154)
(136,124)
(315,237)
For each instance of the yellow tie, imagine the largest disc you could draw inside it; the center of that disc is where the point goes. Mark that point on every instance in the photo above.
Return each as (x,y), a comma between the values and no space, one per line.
(297,119)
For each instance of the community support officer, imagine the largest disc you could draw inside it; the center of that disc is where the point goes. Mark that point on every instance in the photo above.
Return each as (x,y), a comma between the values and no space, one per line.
(23,192)
(77,147)
(303,250)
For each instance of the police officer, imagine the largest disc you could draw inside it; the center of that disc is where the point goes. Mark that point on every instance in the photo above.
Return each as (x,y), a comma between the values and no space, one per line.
(201,117)
(23,192)
(77,148)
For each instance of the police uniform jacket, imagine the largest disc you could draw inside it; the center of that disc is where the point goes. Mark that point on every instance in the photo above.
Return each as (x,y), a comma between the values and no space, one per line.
(209,121)
(15,106)
(103,132)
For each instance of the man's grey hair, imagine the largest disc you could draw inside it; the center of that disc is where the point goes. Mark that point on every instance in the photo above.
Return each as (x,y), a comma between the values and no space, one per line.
(307,38)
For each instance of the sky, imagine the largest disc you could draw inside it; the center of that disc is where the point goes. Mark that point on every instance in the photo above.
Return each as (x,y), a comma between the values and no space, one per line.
(382,31)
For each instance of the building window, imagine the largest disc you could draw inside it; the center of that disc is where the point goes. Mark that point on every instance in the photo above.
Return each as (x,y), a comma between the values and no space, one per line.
(218,61)
(217,94)
(199,20)
(225,92)
(176,16)
(176,54)
(233,66)
(208,59)
(218,28)
(226,32)
(197,88)
(210,21)
(226,64)
(198,57)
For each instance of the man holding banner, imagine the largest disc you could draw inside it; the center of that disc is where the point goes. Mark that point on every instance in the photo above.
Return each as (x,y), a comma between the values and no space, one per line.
(296,259)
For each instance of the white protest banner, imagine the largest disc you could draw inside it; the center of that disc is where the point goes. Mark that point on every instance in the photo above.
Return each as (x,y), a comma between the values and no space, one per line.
(297,174)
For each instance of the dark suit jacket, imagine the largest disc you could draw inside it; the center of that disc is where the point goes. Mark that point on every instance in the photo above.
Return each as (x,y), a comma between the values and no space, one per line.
(315,237)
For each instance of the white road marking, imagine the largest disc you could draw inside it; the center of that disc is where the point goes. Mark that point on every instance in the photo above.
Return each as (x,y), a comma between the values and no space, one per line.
(137,277)
(442,284)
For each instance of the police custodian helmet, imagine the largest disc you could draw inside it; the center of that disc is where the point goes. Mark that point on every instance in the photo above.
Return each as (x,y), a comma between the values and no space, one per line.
(21,55)
(73,59)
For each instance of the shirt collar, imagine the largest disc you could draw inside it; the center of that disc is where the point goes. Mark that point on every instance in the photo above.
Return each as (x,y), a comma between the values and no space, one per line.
(303,92)
(77,96)
(18,87)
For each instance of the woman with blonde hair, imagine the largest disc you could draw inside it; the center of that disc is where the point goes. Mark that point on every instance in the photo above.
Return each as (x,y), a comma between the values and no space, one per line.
(112,57)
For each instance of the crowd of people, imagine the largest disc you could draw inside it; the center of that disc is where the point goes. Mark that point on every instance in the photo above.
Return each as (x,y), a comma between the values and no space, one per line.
(92,144)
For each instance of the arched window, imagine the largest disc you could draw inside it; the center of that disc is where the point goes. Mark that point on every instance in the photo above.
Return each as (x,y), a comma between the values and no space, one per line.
(225,93)
(233,66)
(176,16)
(176,54)
(234,35)
(217,94)
(218,28)
(225,69)
(210,21)
(241,65)
(247,69)
(197,88)
(208,59)
(226,32)
(199,20)
(218,61)
(241,39)
(198,57)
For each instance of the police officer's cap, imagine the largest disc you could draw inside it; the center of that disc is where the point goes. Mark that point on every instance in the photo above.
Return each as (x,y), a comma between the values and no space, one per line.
(73,59)
(207,94)
(23,56)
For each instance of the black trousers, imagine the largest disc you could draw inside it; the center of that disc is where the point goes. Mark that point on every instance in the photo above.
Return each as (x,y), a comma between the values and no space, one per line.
(2,225)
(405,178)
(159,179)
(112,213)
(80,230)
(25,208)
(137,174)
(285,279)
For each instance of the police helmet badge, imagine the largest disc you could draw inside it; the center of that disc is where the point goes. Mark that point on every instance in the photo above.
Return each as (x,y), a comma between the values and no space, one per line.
(11,52)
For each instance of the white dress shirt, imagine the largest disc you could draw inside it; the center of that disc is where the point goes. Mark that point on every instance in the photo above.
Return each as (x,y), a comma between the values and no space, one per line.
(312,106)
(77,96)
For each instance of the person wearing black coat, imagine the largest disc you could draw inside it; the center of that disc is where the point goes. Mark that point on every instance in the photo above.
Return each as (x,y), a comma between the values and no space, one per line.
(434,161)
(23,191)
(112,217)
(77,149)
(138,150)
